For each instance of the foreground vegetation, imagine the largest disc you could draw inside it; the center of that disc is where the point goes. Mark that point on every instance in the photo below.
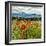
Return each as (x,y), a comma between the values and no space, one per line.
(26,29)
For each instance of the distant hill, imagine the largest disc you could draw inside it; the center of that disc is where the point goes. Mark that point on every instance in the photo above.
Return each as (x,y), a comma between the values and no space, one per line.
(26,15)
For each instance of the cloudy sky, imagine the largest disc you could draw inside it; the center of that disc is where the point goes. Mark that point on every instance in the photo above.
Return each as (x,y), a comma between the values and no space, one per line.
(38,10)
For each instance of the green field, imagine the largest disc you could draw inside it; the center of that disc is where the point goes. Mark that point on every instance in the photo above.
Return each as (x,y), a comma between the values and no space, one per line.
(25,29)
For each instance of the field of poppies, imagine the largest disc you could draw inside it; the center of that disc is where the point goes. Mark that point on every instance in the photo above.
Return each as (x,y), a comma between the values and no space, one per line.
(25,29)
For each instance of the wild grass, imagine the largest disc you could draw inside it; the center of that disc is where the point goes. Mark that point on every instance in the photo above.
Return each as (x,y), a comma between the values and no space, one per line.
(25,29)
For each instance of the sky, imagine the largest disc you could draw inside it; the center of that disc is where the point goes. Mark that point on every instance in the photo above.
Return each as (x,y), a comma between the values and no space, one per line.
(28,10)
(25,9)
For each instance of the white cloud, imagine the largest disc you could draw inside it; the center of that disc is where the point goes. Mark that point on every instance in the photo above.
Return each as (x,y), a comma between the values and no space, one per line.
(26,9)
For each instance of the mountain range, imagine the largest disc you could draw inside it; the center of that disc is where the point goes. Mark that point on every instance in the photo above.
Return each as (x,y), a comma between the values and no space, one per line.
(26,15)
